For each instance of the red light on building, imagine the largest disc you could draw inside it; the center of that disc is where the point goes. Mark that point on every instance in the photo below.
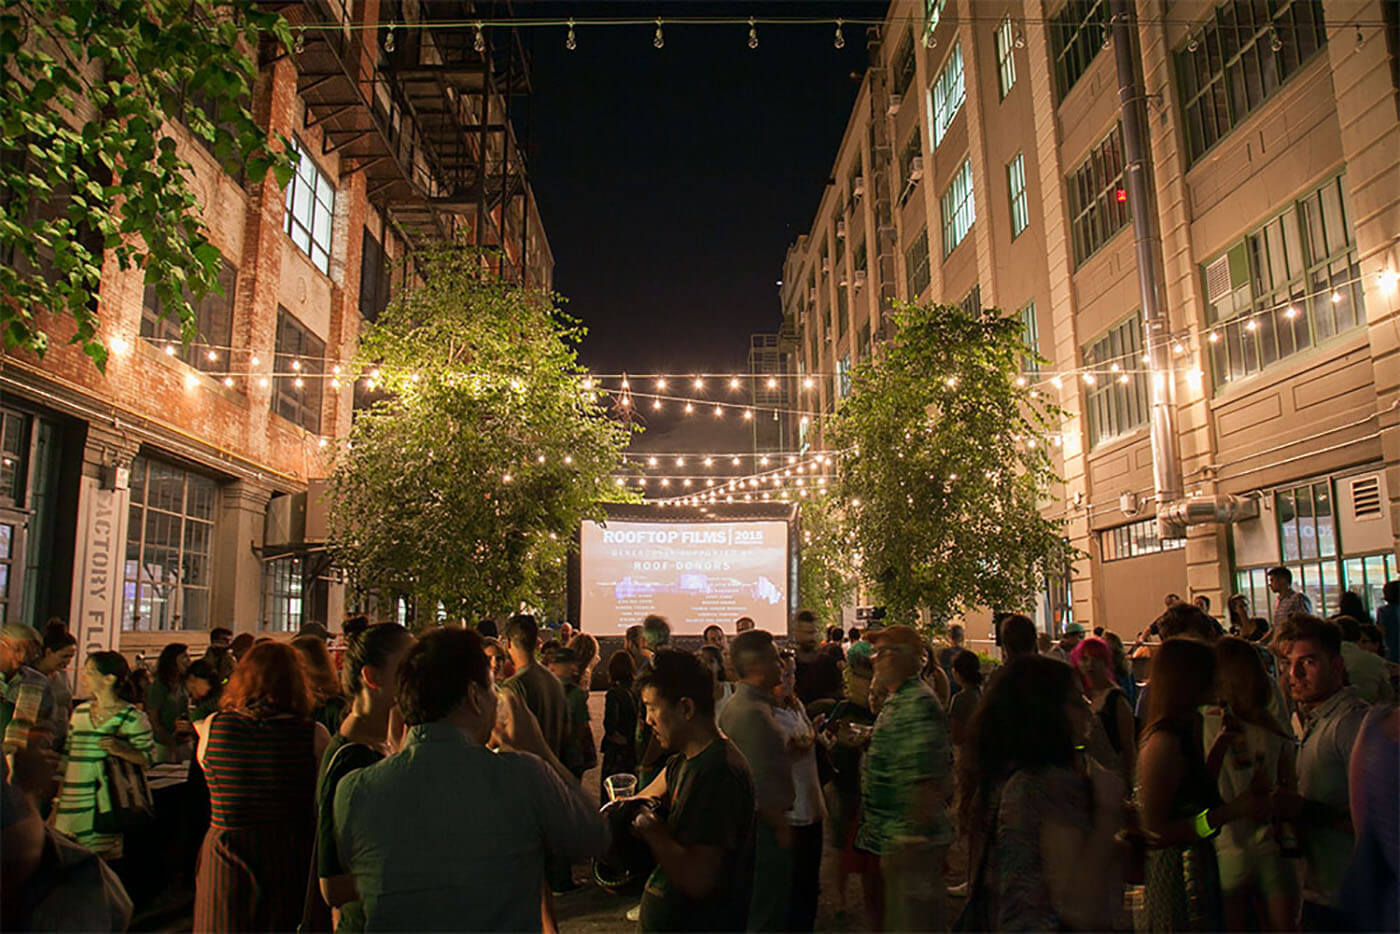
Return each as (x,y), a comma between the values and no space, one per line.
(1122,195)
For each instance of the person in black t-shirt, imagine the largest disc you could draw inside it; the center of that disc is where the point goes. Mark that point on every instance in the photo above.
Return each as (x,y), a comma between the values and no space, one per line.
(818,672)
(704,844)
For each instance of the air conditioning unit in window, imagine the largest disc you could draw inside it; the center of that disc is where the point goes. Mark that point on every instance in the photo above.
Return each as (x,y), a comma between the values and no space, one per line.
(843,281)
(1218,280)
(916,168)
(860,278)
(826,265)
(896,102)
(858,188)
(841,229)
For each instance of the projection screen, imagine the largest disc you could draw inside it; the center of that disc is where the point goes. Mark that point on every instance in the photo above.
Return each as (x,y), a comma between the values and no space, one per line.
(692,573)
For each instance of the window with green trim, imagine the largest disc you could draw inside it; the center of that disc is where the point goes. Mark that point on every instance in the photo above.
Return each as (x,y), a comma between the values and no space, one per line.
(1078,32)
(1098,202)
(1117,397)
(948,93)
(916,266)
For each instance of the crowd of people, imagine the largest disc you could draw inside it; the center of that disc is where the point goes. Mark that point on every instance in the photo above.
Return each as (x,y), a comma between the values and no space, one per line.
(435,781)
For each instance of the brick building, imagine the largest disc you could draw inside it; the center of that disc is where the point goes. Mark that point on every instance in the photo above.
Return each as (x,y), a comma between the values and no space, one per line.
(181,491)
(984,163)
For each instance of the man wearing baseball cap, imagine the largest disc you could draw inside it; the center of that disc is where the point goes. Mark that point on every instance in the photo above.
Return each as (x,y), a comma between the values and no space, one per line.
(1068,640)
(905,785)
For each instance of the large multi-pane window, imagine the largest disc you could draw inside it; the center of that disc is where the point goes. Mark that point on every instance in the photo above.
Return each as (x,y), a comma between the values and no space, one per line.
(843,376)
(916,266)
(933,12)
(902,67)
(1030,336)
(283,596)
(165,582)
(310,208)
(213,324)
(1016,185)
(1322,568)
(958,208)
(1077,35)
(972,301)
(843,309)
(1118,400)
(948,93)
(1006,57)
(1290,284)
(858,257)
(296,395)
(1134,539)
(1242,54)
(374,277)
(1098,202)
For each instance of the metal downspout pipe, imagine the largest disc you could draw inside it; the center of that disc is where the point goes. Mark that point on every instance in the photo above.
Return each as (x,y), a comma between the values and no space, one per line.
(1147,241)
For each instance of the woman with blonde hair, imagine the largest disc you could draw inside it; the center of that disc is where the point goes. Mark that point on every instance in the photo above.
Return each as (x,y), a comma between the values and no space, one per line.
(1256,878)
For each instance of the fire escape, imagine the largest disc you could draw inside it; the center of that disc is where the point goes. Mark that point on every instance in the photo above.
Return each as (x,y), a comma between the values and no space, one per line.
(422,105)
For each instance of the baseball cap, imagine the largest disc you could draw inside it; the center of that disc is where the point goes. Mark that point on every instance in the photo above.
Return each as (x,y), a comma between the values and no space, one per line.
(1074,629)
(896,635)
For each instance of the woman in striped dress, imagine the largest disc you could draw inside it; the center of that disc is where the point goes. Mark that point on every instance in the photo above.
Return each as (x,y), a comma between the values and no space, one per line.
(259,753)
(107,725)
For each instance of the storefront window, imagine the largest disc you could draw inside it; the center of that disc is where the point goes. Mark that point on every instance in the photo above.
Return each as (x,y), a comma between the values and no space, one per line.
(169,535)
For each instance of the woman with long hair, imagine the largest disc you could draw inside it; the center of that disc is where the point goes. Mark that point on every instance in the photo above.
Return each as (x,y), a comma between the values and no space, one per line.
(1041,816)
(585,648)
(328,701)
(619,744)
(168,705)
(1238,608)
(1122,671)
(1178,802)
(370,675)
(1093,658)
(107,725)
(260,754)
(1256,879)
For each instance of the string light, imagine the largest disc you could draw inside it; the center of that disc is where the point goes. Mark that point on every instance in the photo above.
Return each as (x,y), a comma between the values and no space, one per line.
(753,34)
(479,41)
(658,40)
(840,39)
(699,383)
(570,42)
(170,350)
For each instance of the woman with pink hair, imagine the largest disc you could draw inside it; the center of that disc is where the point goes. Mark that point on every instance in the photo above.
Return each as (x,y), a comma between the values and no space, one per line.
(1093,659)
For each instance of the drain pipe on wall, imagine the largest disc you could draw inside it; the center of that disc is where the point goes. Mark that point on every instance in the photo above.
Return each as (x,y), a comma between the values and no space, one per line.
(1147,241)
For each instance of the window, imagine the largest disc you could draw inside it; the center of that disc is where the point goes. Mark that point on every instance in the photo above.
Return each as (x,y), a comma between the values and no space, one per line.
(972,301)
(854,179)
(843,377)
(1030,336)
(1289,285)
(1077,34)
(843,310)
(902,66)
(949,91)
(1006,58)
(959,211)
(374,278)
(1016,183)
(858,257)
(863,346)
(310,207)
(283,594)
(1310,548)
(14,456)
(1229,66)
(1136,538)
(213,324)
(1117,403)
(912,150)
(1098,202)
(916,266)
(165,583)
(296,395)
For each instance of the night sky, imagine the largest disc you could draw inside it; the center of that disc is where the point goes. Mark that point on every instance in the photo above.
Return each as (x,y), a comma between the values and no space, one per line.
(671,182)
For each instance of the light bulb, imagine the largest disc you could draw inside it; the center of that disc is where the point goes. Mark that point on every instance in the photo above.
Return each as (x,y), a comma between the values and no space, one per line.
(1123,379)
(625,383)
(170,350)
(568,458)
(228,381)
(296,364)
(1056,382)
(1251,325)
(734,461)
(336,369)
(734,383)
(840,39)
(1213,337)
(651,462)
(389,39)
(479,41)
(298,382)
(570,42)
(772,383)
(262,382)
(1114,368)
(753,34)
(656,404)
(540,459)
(699,383)
(120,345)
(807,383)
(191,381)
(506,478)
(658,40)
(254,361)
(211,356)
(661,384)
(748,414)
(1275,43)
(1089,377)
(1336,298)
(299,42)
(680,462)
(1290,312)
(1192,44)
(719,412)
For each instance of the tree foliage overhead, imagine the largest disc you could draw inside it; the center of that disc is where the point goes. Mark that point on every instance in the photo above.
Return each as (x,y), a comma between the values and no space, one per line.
(947,465)
(827,574)
(464,485)
(88,90)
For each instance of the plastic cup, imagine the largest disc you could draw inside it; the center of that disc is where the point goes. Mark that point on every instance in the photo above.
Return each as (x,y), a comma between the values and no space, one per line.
(621,785)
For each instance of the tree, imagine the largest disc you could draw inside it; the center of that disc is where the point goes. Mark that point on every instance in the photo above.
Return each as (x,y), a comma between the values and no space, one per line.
(827,573)
(464,484)
(947,465)
(88,90)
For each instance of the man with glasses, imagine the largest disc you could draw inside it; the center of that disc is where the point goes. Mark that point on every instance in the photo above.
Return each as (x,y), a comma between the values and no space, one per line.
(905,787)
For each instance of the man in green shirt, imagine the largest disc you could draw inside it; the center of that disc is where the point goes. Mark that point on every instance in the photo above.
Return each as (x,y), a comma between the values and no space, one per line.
(904,788)
(539,689)
(704,845)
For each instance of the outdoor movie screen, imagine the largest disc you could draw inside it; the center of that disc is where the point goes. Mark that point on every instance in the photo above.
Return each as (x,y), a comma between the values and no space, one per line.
(692,573)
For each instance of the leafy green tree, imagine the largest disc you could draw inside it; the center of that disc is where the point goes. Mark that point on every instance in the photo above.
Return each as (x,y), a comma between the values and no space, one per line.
(463,485)
(88,89)
(947,466)
(827,578)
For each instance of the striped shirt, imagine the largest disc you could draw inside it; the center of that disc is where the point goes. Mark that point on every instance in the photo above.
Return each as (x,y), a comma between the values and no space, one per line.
(910,746)
(260,771)
(84,789)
